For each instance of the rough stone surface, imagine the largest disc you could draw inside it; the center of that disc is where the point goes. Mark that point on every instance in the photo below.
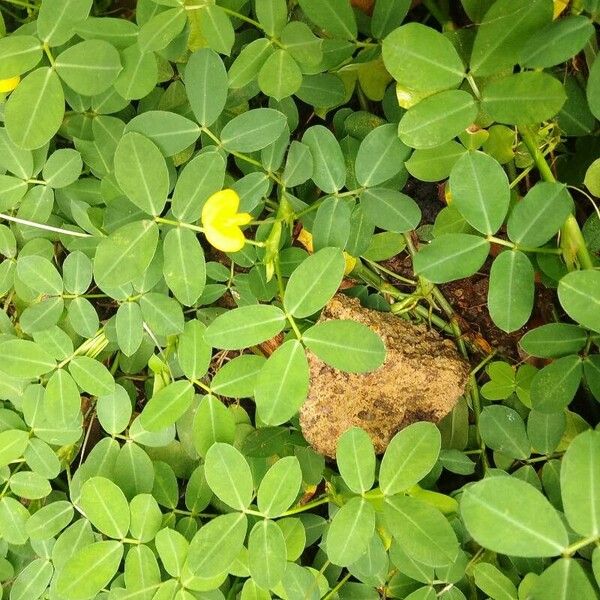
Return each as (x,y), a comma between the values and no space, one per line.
(421,380)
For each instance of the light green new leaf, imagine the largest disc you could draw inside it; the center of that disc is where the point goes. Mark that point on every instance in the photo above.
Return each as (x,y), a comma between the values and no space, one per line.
(511,290)
(329,168)
(167,405)
(314,282)
(126,253)
(105,505)
(503,430)
(32,581)
(553,340)
(90,67)
(24,359)
(421,530)
(437,119)
(29,485)
(129,324)
(579,295)
(355,457)
(206,85)
(451,256)
(346,345)
(161,29)
(172,548)
(422,59)
(62,402)
(34,111)
(540,214)
(212,423)
(390,210)
(266,554)
(91,376)
(114,410)
(12,445)
(493,506)
(480,191)
(245,326)
(280,76)
(248,62)
(216,28)
(57,20)
(523,98)
(184,267)
(334,16)
(141,570)
(253,130)
(89,570)
(554,386)
(579,477)
(494,582)
(282,384)
(272,15)
(279,487)
(49,520)
(350,531)
(228,475)
(410,455)
(18,54)
(141,172)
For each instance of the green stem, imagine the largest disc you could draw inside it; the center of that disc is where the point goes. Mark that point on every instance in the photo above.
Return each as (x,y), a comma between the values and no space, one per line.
(241,17)
(23,4)
(179,224)
(44,226)
(342,582)
(48,53)
(572,239)
(307,506)
(570,550)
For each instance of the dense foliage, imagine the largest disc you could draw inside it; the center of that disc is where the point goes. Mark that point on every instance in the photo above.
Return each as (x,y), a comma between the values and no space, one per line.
(184,185)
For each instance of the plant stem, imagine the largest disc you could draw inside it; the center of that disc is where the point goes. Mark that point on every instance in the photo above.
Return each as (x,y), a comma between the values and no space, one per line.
(44,226)
(23,4)
(337,588)
(570,550)
(307,506)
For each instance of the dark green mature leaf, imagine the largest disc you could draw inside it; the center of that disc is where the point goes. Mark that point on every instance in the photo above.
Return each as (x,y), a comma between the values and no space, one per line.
(105,505)
(434,164)
(206,85)
(451,256)
(280,76)
(390,210)
(334,16)
(503,430)
(193,353)
(212,423)
(579,476)
(493,582)
(331,227)
(248,63)
(253,130)
(35,110)
(91,376)
(161,29)
(387,15)
(421,59)
(279,487)
(139,74)
(329,168)
(593,89)
(57,21)
(523,98)
(346,345)
(579,294)
(167,405)
(493,506)
(355,458)
(553,340)
(437,119)
(511,290)
(554,386)
(129,324)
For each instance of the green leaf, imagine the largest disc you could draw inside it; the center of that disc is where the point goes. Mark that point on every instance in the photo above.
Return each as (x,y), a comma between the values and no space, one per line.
(62,168)
(167,405)
(266,554)
(437,119)
(212,423)
(141,172)
(214,548)
(280,76)
(279,487)
(141,569)
(171,132)
(421,530)
(139,74)
(490,580)
(29,485)
(410,455)
(193,353)
(13,517)
(12,445)
(83,317)
(34,111)
(579,476)
(282,384)
(334,16)
(49,520)
(216,28)
(434,164)
(105,505)
(248,63)
(228,475)
(160,30)
(272,15)
(245,326)
(12,157)
(422,59)
(172,548)
(236,378)
(184,268)
(564,578)
(390,210)
(304,46)
(206,85)
(503,430)
(32,581)
(511,290)
(523,98)
(253,130)
(387,15)
(540,214)
(493,506)
(331,227)
(162,314)
(126,253)
(56,21)
(505,29)
(553,387)
(346,345)
(24,359)
(18,54)
(329,168)
(39,274)
(579,295)
(355,459)
(89,570)
(593,89)
(92,376)
(129,325)
(451,256)
(62,402)
(545,430)
(90,67)
(480,191)
(114,410)
(350,531)
(553,340)
(592,178)
(322,91)
(557,42)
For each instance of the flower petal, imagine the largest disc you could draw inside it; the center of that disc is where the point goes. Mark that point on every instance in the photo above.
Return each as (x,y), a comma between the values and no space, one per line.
(226,239)
(220,206)
(8,85)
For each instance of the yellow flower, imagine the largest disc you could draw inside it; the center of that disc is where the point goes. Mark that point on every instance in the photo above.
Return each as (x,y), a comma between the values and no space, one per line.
(8,85)
(222,221)
(559,7)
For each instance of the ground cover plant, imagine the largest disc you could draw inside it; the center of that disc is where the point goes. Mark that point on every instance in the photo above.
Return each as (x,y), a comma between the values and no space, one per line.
(185,185)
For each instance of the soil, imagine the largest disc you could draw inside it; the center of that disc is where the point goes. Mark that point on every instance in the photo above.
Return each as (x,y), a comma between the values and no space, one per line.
(421,379)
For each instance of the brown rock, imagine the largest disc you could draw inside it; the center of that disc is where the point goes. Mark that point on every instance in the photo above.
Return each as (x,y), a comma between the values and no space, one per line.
(421,380)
